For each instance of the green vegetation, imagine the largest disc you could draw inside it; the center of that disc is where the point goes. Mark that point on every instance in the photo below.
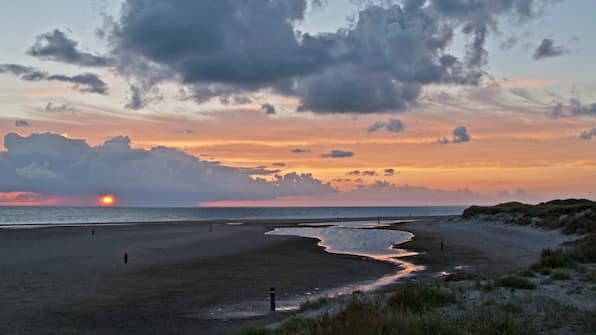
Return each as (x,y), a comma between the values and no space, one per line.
(572,216)
(314,304)
(419,297)
(413,309)
(560,275)
(516,282)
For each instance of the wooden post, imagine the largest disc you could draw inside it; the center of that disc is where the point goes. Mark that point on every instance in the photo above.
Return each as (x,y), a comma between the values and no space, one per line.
(272,298)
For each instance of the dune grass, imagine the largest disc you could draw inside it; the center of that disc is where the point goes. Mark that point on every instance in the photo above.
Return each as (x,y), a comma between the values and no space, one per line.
(516,282)
(413,309)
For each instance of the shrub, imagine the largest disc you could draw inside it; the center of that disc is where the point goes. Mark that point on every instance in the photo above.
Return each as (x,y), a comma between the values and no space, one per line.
(550,258)
(418,297)
(516,282)
(560,275)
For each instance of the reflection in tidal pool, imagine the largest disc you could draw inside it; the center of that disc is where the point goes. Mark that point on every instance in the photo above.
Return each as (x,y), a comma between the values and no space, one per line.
(352,238)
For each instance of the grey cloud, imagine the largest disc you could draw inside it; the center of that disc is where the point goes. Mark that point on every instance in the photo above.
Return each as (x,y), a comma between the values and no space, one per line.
(300,150)
(86,82)
(353,173)
(50,164)
(369,173)
(259,171)
(588,134)
(139,98)
(375,126)
(379,64)
(389,172)
(548,49)
(56,46)
(338,154)
(58,107)
(21,123)
(392,126)
(509,43)
(268,108)
(574,108)
(395,126)
(460,135)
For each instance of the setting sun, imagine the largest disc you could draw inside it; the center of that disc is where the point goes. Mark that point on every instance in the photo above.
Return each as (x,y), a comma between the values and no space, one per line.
(107,200)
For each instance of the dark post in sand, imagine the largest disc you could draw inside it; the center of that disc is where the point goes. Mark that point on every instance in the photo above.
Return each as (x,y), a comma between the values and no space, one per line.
(272,298)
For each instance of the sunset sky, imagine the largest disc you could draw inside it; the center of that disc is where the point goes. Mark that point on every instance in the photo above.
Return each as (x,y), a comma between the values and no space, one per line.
(297,103)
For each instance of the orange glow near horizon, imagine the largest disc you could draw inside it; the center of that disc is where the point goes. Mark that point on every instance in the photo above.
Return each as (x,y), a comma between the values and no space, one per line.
(107,200)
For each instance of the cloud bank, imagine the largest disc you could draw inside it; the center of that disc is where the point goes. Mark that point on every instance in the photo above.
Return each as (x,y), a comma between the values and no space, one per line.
(54,165)
(232,48)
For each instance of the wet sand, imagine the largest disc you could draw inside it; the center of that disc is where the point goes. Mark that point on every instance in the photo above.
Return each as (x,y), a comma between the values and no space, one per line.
(68,281)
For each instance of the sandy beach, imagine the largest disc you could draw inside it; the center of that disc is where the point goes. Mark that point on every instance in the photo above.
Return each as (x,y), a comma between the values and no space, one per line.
(68,281)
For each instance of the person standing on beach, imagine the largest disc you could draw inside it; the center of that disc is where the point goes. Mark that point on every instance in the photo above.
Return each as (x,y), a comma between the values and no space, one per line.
(442,246)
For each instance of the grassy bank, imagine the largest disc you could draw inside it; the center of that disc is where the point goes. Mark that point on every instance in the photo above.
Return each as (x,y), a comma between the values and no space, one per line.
(467,307)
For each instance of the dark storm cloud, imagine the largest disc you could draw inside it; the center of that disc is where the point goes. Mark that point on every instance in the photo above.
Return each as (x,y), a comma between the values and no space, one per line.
(51,164)
(21,123)
(588,134)
(338,154)
(460,135)
(268,108)
(380,63)
(56,46)
(548,49)
(86,82)
(574,108)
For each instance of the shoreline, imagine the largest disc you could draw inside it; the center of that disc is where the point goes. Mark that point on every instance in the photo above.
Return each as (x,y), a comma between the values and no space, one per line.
(236,221)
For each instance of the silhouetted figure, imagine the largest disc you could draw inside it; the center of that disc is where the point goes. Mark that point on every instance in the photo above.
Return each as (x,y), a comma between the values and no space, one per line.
(272,298)
(442,246)
(125,258)
(92,231)
(379,220)
(210,229)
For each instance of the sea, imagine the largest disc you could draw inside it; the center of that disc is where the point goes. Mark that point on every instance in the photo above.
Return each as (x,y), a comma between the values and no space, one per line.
(13,217)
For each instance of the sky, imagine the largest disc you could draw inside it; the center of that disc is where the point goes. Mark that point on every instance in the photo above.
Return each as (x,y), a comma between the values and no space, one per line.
(297,103)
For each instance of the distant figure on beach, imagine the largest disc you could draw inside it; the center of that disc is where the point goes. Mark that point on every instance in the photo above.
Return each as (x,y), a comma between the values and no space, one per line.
(379,220)
(92,231)
(125,258)
(442,246)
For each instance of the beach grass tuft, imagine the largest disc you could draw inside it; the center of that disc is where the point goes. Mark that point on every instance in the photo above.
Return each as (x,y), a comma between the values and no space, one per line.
(418,297)
(516,282)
